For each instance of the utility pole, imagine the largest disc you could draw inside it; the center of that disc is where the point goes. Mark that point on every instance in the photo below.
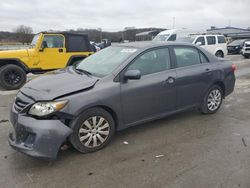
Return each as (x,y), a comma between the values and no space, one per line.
(173,22)
(100,29)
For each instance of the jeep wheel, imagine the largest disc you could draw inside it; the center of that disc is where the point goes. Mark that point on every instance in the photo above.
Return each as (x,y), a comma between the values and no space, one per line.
(246,56)
(219,54)
(12,77)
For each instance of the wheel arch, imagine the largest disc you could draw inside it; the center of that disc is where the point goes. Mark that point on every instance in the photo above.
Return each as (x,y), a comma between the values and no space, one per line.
(222,86)
(106,108)
(219,50)
(17,62)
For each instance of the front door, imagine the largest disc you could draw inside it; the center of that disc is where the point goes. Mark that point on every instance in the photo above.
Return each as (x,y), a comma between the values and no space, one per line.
(155,93)
(52,52)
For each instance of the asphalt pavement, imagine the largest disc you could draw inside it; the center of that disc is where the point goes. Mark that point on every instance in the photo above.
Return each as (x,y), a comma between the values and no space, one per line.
(185,150)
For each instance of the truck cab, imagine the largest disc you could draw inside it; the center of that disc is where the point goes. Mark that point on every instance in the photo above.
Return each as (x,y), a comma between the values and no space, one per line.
(47,51)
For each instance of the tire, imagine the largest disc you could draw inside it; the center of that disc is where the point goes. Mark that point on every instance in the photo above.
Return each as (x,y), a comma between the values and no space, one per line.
(212,100)
(12,77)
(219,54)
(246,56)
(85,137)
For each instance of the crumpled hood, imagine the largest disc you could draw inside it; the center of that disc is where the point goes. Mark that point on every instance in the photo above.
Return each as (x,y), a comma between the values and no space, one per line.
(14,53)
(56,84)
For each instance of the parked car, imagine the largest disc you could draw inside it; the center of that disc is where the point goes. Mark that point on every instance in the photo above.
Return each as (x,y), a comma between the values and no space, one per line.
(116,88)
(215,44)
(101,45)
(235,46)
(246,49)
(107,42)
(94,46)
(174,34)
(48,51)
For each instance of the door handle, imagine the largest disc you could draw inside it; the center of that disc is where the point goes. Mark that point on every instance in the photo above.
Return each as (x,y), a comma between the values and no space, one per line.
(170,80)
(60,50)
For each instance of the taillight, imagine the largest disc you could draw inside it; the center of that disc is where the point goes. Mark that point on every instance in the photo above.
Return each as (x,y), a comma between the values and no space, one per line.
(234,67)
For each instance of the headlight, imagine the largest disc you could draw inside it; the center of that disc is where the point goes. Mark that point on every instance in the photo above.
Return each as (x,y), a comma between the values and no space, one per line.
(45,108)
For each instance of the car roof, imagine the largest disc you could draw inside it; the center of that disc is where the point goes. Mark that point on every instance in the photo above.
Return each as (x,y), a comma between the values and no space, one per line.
(151,44)
(64,33)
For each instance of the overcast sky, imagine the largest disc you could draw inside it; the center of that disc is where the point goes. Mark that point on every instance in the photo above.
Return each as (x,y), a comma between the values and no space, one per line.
(114,15)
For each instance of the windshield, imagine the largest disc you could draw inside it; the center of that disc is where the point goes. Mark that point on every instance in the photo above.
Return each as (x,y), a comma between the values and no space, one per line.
(34,41)
(186,39)
(105,61)
(236,42)
(161,37)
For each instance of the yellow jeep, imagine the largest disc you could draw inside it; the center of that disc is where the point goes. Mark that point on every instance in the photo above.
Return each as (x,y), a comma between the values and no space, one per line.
(48,51)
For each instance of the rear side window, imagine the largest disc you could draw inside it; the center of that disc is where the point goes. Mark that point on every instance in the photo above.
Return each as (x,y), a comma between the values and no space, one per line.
(186,56)
(153,61)
(201,40)
(221,39)
(211,40)
(172,37)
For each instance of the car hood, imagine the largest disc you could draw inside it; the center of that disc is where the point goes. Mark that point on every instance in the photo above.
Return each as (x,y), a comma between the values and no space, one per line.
(13,53)
(57,84)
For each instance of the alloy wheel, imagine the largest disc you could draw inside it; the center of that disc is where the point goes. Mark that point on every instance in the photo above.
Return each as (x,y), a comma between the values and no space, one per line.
(214,100)
(12,77)
(94,131)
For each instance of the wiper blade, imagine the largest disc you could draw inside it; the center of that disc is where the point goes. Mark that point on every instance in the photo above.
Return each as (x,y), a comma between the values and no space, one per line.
(83,71)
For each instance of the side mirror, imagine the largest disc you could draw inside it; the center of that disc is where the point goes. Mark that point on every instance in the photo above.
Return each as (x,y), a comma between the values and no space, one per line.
(198,43)
(132,75)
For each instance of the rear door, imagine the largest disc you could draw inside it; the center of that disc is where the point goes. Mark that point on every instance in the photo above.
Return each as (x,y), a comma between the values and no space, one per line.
(211,44)
(193,75)
(155,93)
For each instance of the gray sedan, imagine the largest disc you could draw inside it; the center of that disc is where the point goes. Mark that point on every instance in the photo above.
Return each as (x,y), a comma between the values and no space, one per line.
(118,87)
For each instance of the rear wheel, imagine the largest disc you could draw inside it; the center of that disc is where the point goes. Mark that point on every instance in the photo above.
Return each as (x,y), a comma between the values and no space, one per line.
(12,77)
(212,100)
(92,130)
(219,54)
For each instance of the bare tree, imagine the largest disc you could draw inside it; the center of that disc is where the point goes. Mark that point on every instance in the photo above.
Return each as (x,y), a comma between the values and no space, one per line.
(24,33)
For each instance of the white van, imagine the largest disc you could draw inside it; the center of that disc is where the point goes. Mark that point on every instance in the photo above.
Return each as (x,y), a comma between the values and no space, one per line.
(173,34)
(215,44)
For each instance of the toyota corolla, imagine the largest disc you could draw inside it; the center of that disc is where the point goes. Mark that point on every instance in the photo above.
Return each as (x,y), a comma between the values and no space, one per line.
(118,87)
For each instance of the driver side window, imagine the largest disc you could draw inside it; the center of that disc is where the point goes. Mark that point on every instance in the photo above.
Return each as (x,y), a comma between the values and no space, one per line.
(152,62)
(53,41)
(201,40)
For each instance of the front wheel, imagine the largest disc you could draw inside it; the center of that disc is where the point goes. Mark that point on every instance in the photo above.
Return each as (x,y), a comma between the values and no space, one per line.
(212,100)
(92,130)
(12,77)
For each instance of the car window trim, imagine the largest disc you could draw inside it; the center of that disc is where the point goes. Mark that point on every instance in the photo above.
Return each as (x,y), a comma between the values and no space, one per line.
(53,35)
(120,75)
(200,37)
(201,53)
(174,56)
(215,40)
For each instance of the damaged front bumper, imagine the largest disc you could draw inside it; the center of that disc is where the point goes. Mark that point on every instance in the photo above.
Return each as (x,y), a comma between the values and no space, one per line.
(37,138)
